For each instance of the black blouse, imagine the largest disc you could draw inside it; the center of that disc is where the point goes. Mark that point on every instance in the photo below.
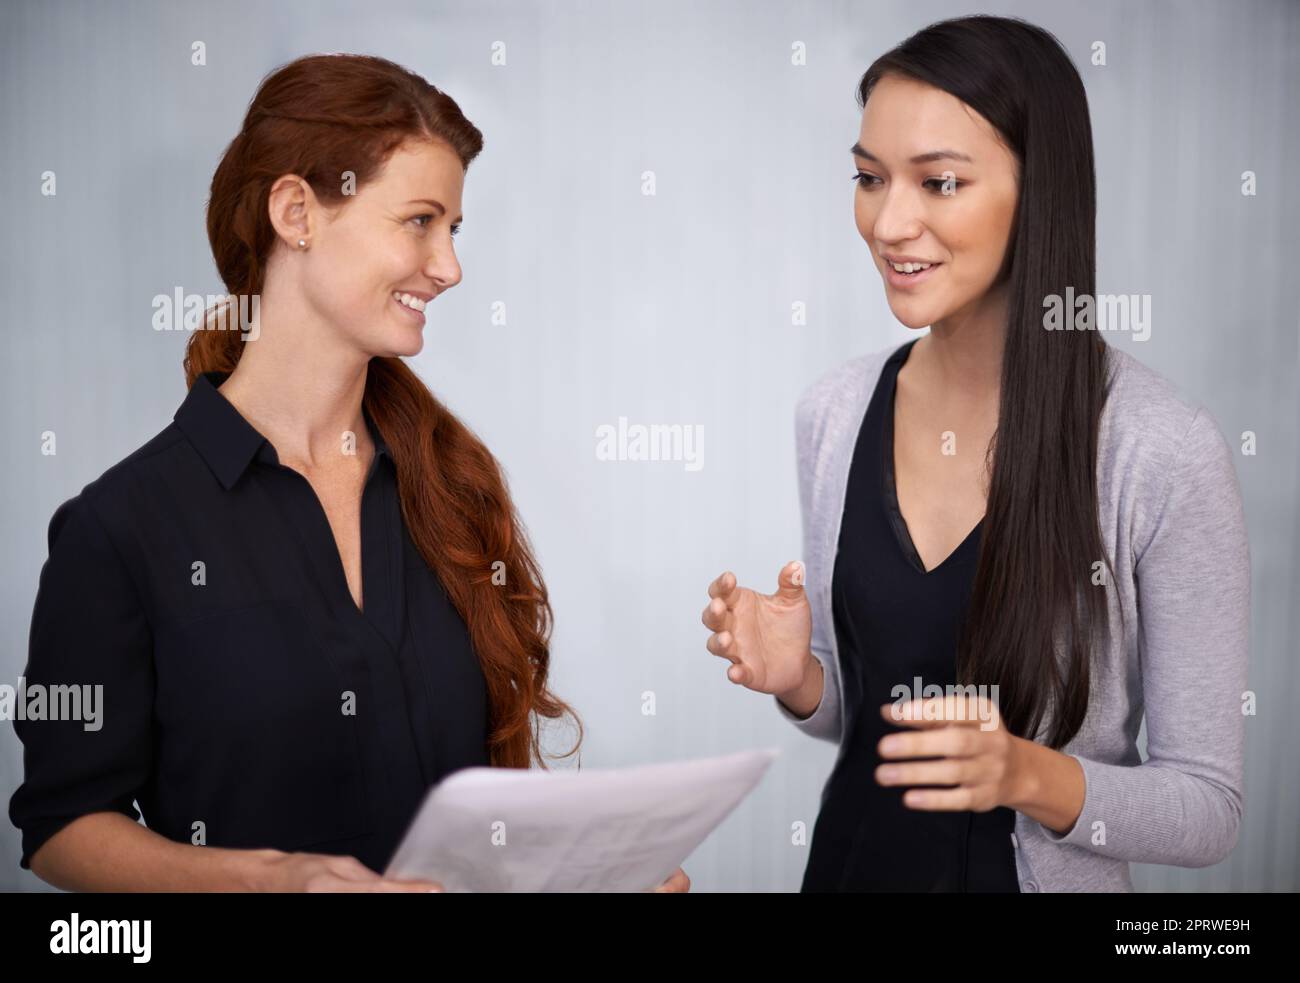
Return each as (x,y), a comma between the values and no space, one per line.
(894,623)
(246,700)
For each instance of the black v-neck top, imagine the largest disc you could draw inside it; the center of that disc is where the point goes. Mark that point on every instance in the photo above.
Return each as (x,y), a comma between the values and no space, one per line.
(896,625)
(246,700)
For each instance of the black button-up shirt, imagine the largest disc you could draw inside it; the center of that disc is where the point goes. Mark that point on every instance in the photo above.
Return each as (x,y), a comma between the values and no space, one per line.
(246,700)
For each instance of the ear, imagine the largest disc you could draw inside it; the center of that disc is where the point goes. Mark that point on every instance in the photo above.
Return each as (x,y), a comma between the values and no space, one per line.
(293,209)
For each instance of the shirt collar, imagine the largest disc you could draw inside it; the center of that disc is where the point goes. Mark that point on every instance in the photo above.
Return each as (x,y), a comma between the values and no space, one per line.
(225,440)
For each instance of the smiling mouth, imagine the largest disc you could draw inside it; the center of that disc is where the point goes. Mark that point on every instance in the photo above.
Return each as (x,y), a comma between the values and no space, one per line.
(907,274)
(410,301)
(909,268)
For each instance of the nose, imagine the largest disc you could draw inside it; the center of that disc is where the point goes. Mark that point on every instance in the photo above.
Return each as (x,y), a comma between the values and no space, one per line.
(900,216)
(442,267)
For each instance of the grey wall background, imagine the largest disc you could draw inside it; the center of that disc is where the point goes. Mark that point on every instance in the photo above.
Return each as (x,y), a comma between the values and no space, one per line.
(666,309)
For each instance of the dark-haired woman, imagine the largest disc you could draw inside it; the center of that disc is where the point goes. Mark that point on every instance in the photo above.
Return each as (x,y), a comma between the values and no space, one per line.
(1017,540)
(309,598)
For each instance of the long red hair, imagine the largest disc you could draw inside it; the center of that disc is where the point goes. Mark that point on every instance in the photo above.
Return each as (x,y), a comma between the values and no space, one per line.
(318,117)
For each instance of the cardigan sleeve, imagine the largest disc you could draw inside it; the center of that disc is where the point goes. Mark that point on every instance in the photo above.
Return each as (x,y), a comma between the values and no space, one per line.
(826,721)
(1183,805)
(89,638)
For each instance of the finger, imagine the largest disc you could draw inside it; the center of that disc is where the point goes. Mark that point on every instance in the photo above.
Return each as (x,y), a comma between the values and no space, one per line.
(339,885)
(946,742)
(740,674)
(677,883)
(723,587)
(715,615)
(407,887)
(940,800)
(723,644)
(927,714)
(945,711)
(790,581)
(949,771)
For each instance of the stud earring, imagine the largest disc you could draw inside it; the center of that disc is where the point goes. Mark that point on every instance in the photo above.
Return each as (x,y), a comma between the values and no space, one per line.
(302,243)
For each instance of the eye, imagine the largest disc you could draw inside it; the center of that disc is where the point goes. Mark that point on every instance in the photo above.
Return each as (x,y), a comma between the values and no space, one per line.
(422,221)
(938,184)
(865,180)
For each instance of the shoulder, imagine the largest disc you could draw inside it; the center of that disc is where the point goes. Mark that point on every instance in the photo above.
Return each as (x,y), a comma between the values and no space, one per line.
(112,501)
(837,391)
(1148,422)
(1156,443)
(1142,405)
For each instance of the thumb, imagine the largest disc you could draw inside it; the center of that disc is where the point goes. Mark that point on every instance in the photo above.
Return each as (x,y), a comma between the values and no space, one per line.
(789,584)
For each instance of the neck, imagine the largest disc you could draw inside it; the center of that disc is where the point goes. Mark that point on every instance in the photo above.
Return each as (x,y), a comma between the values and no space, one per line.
(962,353)
(299,385)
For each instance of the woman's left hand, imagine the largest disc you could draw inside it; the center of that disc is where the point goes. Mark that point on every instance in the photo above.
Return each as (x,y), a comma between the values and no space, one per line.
(678,883)
(979,758)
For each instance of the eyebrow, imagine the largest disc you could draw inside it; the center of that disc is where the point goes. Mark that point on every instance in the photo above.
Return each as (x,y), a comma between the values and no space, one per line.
(926,158)
(438,205)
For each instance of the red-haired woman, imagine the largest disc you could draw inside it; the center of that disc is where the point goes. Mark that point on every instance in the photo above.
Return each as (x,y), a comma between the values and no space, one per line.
(309,598)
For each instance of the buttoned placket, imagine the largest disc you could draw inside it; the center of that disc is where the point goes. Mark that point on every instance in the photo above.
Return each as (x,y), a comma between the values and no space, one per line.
(371,666)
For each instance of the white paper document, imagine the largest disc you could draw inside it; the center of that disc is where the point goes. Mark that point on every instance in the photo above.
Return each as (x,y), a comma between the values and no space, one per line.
(617,829)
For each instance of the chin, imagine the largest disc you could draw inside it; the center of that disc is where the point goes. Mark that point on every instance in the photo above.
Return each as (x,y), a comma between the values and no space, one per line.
(409,346)
(396,345)
(912,317)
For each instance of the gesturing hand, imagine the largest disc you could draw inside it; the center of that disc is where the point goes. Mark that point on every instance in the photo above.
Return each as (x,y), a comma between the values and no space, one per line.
(977,757)
(767,638)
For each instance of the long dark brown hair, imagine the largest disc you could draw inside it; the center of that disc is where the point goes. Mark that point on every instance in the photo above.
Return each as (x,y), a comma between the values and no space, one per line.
(319,117)
(1035,612)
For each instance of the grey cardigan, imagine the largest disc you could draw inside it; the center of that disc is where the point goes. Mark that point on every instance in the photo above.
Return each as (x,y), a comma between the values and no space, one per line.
(1172,522)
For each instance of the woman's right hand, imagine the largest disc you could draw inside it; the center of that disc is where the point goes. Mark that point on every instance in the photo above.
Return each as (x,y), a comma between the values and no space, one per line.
(317,872)
(766,637)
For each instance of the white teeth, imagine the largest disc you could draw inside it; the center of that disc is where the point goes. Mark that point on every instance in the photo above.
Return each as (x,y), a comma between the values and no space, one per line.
(910,267)
(414,303)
